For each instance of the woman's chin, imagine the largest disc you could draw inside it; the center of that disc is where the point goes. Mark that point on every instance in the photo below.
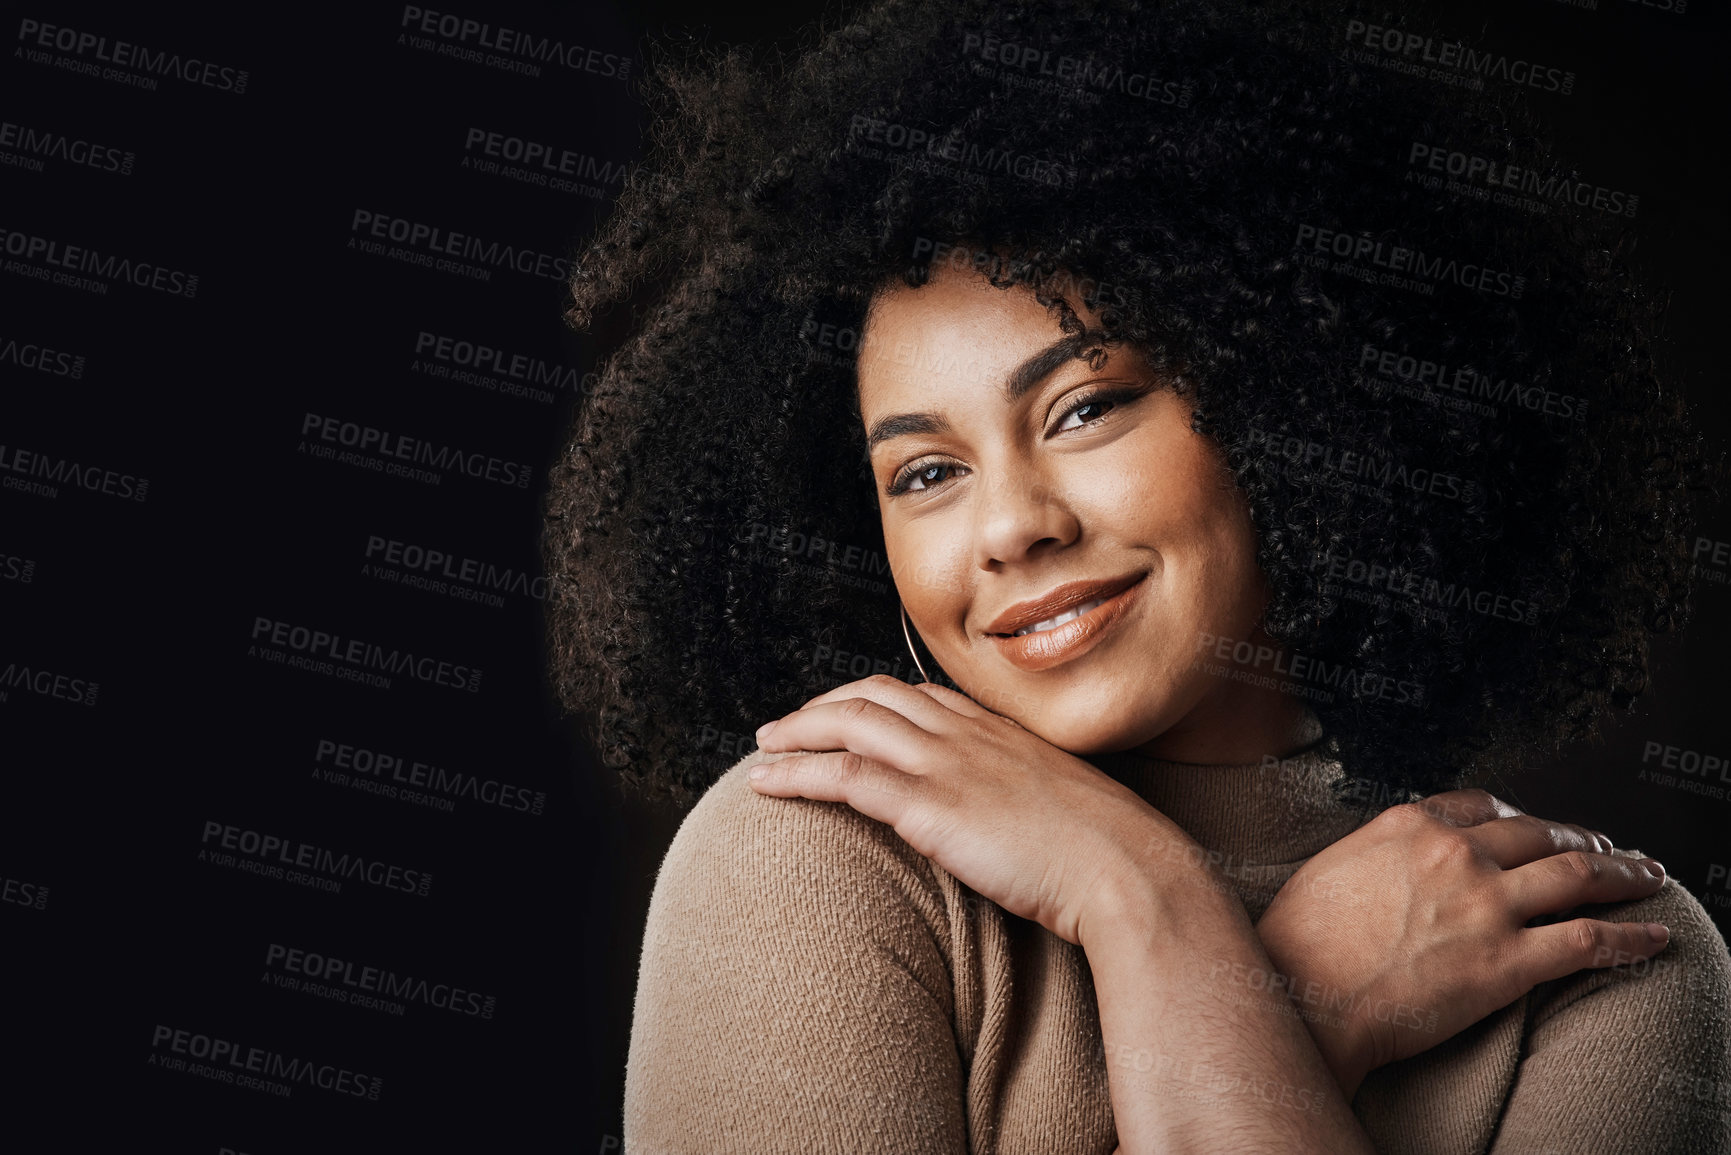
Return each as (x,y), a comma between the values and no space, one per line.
(1085,717)
(1084,737)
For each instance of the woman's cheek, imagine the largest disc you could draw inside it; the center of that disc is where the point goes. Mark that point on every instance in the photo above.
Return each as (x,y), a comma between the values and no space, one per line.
(931,581)
(937,590)
(930,570)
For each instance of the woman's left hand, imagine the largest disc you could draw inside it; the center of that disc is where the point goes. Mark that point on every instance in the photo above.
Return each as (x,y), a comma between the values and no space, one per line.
(1037,830)
(1436,899)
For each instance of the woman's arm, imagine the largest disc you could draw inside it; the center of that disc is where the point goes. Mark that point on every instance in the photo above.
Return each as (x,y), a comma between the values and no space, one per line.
(1198,1062)
(1193,1066)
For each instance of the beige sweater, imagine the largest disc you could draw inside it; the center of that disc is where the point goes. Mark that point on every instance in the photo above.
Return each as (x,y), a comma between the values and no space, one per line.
(810,983)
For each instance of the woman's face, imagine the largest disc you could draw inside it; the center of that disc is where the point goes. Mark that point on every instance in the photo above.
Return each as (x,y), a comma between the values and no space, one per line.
(1085,490)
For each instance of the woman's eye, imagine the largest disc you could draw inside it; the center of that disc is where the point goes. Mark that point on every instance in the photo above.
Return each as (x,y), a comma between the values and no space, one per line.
(1092,409)
(921,477)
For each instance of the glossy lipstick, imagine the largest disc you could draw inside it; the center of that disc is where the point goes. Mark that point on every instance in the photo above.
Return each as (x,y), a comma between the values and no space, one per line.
(1046,648)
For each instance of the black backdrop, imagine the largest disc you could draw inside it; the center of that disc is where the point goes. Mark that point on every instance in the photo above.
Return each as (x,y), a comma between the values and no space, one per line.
(232,805)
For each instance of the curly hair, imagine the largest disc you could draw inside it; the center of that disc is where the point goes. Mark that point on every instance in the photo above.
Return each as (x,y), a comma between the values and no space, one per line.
(1435,388)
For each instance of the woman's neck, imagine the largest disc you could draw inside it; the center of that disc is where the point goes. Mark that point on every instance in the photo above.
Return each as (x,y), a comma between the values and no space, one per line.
(1237,732)
(1254,814)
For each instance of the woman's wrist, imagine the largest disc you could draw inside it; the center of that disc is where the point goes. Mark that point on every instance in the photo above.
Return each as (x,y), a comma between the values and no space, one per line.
(1164,897)
(1159,890)
(1346,1052)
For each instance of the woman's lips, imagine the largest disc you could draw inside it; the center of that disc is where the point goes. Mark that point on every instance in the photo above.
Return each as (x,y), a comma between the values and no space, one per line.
(1047,648)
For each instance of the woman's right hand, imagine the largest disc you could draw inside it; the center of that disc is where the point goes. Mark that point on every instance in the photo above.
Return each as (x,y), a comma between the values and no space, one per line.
(1414,926)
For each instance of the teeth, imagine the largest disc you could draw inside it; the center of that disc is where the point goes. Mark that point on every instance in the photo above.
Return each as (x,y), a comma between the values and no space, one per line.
(1053,623)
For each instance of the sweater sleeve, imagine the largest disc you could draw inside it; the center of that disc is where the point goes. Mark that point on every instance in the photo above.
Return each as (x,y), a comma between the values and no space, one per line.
(794,991)
(1631,1059)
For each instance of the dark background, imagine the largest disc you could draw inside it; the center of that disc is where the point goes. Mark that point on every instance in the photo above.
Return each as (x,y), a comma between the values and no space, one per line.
(112,925)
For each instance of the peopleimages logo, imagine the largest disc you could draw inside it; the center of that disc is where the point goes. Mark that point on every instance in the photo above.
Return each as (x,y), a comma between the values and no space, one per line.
(1402,260)
(86,264)
(47,684)
(1383,473)
(951,153)
(55,471)
(121,54)
(17,569)
(1470,383)
(440,572)
(548,159)
(30,894)
(401,448)
(325,647)
(230,1062)
(443,242)
(462,360)
(35,145)
(1302,671)
(1516,185)
(1081,71)
(40,358)
(397,776)
(368,985)
(1416,592)
(1450,61)
(505,48)
(272,853)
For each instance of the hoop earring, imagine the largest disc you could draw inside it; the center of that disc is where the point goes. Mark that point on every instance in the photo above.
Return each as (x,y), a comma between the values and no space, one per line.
(924,677)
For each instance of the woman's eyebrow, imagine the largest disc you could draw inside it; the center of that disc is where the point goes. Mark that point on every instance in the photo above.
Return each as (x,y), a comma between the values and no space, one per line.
(1041,366)
(902,424)
(1021,379)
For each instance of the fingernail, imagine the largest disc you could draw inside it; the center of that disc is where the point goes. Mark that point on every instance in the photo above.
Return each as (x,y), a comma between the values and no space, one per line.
(759,770)
(1654,868)
(1658,933)
(766,728)
(1606,838)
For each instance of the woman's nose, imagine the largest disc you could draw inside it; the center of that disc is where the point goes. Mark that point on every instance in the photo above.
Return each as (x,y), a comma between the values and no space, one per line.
(1019,514)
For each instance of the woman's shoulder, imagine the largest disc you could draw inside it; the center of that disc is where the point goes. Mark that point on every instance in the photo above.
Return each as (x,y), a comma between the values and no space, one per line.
(1639,1049)
(795,987)
(1690,978)
(1696,942)
(765,860)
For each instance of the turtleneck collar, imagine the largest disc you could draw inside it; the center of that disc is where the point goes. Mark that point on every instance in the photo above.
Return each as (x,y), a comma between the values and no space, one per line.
(1275,812)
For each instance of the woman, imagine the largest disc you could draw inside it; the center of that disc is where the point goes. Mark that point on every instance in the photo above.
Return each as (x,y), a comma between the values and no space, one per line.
(1192,432)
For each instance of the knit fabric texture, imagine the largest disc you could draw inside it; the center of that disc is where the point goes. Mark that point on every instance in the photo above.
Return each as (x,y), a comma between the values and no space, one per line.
(811,983)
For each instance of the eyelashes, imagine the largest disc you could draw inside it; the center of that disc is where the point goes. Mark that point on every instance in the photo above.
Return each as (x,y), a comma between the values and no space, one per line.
(1086,401)
(903,481)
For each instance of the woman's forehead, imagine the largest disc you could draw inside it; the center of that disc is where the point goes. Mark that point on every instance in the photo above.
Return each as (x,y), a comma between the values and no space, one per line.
(956,327)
